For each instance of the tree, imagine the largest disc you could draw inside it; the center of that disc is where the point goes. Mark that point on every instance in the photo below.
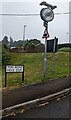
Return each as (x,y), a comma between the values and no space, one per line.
(5,41)
(32,42)
(11,41)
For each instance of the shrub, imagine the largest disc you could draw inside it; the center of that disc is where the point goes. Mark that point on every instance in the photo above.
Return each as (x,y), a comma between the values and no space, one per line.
(5,57)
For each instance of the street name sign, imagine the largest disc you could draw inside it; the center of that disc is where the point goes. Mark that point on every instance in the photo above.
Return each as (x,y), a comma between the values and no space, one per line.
(11,68)
(14,69)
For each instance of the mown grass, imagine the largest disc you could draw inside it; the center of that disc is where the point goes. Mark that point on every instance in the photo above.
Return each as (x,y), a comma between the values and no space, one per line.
(33,66)
(65,49)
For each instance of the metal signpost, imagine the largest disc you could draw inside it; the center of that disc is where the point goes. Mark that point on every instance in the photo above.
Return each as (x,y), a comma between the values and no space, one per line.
(47,15)
(44,67)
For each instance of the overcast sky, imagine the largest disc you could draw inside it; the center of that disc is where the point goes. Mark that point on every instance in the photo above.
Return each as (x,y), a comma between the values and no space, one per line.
(12,26)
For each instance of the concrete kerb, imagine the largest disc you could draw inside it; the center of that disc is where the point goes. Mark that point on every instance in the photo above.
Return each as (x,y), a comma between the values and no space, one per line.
(33,103)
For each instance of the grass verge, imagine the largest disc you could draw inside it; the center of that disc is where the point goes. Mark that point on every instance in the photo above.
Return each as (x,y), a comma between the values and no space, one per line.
(33,63)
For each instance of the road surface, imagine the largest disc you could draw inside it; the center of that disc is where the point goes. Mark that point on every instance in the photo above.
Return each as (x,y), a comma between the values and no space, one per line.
(24,94)
(59,108)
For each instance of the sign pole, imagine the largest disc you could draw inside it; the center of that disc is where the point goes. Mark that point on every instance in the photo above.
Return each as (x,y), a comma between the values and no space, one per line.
(53,69)
(44,67)
(5,76)
(23,74)
(45,35)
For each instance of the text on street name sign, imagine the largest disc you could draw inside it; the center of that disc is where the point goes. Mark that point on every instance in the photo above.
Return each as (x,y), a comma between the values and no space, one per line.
(14,69)
(10,68)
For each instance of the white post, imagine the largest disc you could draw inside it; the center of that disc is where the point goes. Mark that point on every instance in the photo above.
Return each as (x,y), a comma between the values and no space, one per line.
(24,37)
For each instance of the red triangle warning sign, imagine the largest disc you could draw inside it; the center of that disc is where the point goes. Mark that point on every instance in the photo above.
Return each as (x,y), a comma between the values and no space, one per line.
(46,34)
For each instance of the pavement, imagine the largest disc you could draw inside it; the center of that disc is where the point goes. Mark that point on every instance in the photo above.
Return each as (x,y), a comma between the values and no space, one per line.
(24,94)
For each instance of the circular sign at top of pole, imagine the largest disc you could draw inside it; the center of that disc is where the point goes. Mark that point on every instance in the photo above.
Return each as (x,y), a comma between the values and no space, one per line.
(47,14)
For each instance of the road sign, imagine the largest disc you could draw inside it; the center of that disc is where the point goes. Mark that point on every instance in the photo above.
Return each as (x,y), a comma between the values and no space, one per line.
(48,5)
(45,34)
(14,69)
(10,68)
(45,24)
(52,45)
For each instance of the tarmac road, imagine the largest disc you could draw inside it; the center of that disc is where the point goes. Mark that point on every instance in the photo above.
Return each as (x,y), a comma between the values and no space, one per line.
(54,109)
(24,94)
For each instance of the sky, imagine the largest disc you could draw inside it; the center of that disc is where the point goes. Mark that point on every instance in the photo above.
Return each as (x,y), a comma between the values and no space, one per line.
(13,26)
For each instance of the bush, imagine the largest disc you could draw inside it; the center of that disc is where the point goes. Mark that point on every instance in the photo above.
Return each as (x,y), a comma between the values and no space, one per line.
(5,57)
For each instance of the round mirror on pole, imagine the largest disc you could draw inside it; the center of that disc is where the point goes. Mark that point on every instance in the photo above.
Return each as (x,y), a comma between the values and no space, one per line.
(47,14)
